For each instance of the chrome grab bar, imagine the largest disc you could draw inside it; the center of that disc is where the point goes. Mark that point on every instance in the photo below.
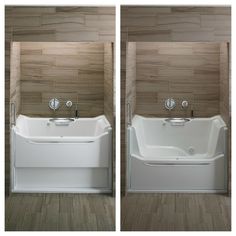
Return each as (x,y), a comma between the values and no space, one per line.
(61,121)
(176,164)
(58,142)
(177,121)
(129,112)
(13,114)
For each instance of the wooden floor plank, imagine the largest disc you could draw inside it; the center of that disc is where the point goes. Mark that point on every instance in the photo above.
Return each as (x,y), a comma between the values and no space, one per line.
(175,212)
(59,212)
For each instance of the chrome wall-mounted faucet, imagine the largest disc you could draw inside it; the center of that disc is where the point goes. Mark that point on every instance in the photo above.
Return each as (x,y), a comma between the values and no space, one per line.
(54,104)
(170,104)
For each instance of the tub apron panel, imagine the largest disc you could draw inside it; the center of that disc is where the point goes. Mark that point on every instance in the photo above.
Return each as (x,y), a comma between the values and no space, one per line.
(177,177)
(74,154)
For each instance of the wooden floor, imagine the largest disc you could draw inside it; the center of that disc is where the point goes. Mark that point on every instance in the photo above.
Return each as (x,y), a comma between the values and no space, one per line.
(64,212)
(170,211)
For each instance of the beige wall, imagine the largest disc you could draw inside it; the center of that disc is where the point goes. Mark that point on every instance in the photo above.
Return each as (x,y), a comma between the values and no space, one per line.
(63,24)
(12,96)
(131,76)
(109,108)
(52,24)
(176,24)
(224,83)
(67,71)
(108,81)
(15,96)
(182,71)
(168,24)
(225,98)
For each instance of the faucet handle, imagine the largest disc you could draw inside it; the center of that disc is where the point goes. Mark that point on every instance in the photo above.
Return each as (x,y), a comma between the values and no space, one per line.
(69,104)
(54,104)
(184,104)
(170,104)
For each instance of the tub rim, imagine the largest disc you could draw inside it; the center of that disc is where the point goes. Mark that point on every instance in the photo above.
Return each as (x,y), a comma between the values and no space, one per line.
(66,138)
(137,117)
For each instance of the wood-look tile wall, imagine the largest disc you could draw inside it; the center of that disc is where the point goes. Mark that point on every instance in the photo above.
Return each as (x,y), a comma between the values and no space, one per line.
(225,98)
(8,37)
(67,71)
(108,82)
(109,96)
(224,83)
(176,24)
(15,96)
(130,98)
(183,71)
(63,24)
(51,24)
(131,76)
(168,24)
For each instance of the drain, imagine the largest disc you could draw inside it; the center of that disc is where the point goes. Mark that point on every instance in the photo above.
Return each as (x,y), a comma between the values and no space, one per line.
(191,150)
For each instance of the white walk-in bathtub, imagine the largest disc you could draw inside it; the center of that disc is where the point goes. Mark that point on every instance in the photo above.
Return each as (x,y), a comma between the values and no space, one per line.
(61,155)
(177,156)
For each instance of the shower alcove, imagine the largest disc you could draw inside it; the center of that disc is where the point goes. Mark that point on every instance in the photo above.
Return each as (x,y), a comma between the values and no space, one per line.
(80,72)
(196,72)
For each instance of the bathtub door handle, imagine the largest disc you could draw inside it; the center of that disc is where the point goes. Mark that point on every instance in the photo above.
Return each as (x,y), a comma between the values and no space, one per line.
(176,164)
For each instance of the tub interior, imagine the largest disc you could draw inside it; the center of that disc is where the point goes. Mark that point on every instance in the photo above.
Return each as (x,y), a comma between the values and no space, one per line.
(198,137)
(167,158)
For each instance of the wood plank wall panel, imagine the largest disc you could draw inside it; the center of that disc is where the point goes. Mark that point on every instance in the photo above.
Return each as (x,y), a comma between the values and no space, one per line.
(108,82)
(64,24)
(8,37)
(183,71)
(109,96)
(225,98)
(131,76)
(67,71)
(168,24)
(50,24)
(123,115)
(177,24)
(130,97)
(14,89)
(15,77)
(224,82)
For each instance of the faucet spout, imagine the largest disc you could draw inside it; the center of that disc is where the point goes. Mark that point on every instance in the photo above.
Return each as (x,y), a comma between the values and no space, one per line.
(192,116)
(76,112)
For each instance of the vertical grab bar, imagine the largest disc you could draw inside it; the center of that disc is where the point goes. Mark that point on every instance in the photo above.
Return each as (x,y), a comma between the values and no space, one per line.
(129,114)
(13,114)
